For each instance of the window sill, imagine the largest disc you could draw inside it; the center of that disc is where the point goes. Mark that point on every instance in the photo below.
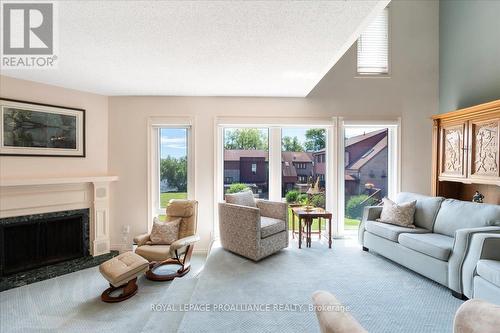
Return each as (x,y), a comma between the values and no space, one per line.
(372,76)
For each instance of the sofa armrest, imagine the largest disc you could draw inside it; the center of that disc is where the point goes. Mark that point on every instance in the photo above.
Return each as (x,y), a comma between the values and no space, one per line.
(183,242)
(141,239)
(332,316)
(461,247)
(274,209)
(370,213)
(482,246)
(239,226)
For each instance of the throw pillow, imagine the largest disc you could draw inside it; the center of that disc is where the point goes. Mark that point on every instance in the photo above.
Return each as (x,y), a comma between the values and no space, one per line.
(165,232)
(244,198)
(398,214)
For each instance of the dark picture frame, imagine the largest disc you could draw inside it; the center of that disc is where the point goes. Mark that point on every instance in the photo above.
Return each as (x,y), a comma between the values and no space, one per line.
(37,129)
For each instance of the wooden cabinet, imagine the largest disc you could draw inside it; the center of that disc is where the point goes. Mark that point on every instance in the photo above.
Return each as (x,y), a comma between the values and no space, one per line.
(466,152)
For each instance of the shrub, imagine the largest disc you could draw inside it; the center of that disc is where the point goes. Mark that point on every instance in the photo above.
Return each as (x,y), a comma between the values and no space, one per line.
(354,206)
(291,196)
(318,200)
(237,187)
(302,198)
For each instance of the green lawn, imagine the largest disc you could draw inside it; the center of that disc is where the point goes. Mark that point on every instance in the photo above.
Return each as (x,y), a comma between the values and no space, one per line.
(165,197)
(349,224)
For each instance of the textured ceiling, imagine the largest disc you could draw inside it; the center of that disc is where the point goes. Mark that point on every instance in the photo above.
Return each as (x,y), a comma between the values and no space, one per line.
(209,48)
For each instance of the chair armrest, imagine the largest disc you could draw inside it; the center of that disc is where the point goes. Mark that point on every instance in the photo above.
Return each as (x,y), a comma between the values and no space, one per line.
(461,247)
(332,316)
(141,239)
(482,246)
(370,213)
(239,226)
(274,209)
(183,242)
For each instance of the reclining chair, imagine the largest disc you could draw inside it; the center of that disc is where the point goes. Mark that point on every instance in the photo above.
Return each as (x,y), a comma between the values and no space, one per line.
(179,252)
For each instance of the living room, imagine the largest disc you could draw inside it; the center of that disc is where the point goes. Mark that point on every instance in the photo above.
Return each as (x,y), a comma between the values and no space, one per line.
(222,104)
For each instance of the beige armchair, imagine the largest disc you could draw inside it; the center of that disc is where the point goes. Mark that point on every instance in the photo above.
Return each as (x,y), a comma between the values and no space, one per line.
(252,228)
(179,252)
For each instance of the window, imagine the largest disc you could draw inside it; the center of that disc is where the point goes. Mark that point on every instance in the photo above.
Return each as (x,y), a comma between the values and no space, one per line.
(371,168)
(303,159)
(170,163)
(373,47)
(173,164)
(246,156)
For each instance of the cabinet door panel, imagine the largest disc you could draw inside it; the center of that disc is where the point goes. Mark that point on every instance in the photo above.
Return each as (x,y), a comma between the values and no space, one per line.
(484,145)
(452,161)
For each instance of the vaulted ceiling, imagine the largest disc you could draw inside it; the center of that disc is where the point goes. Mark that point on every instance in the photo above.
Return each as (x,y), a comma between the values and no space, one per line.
(201,48)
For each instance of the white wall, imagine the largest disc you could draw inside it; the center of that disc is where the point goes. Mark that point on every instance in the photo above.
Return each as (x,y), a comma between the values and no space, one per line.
(411,93)
(96,114)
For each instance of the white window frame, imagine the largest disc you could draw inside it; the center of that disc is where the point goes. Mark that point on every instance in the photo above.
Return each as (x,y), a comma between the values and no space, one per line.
(361,75)
(393,157)
(274,140)
(154,126)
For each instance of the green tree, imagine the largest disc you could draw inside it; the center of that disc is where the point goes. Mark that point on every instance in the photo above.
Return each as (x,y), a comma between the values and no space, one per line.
(174,170)
(245,138)
(291,144)
(315,139)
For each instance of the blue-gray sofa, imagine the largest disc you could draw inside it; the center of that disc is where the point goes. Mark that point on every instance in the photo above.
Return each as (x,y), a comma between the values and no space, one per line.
(481,268)
(441,241)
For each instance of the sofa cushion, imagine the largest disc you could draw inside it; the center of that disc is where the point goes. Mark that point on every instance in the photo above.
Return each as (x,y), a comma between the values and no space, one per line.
(270,226)
(426,209)
(456,214)
(489,270)
(244,198)
(434,245)
(390,231)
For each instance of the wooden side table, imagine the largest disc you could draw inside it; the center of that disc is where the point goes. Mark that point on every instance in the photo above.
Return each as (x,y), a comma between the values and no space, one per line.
(308,217)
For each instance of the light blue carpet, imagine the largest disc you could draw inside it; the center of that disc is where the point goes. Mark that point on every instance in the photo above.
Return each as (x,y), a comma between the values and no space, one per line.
(382,295)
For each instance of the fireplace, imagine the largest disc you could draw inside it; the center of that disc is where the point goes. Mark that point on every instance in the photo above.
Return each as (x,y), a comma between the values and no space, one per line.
(33,241)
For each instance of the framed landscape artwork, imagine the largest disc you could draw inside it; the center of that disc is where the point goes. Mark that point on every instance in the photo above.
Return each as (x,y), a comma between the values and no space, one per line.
(32,129)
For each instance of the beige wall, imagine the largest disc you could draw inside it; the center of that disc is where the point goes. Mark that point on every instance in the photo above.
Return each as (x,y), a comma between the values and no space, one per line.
(96,113)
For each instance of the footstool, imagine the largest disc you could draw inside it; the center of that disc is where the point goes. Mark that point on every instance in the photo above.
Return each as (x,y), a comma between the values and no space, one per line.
(122,272)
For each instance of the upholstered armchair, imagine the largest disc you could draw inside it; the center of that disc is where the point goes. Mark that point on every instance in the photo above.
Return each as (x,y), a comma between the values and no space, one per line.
(252,228)
(179,252)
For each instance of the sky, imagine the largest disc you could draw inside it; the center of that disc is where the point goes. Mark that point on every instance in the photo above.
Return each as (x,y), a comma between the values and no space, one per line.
(173,142)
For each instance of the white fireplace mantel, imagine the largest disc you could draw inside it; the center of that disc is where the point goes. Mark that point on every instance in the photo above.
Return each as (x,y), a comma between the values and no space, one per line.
(54,181)
(27,196)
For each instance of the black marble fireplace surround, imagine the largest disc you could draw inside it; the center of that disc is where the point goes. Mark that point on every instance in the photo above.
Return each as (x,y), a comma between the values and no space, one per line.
(41,246)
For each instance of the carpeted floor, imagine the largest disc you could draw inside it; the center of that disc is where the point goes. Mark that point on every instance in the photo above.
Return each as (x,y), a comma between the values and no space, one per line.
(383,296)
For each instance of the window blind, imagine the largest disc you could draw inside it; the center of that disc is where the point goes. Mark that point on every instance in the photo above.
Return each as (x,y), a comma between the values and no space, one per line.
(373,46)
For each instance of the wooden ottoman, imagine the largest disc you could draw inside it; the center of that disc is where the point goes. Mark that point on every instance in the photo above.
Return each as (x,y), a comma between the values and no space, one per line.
(122,272)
